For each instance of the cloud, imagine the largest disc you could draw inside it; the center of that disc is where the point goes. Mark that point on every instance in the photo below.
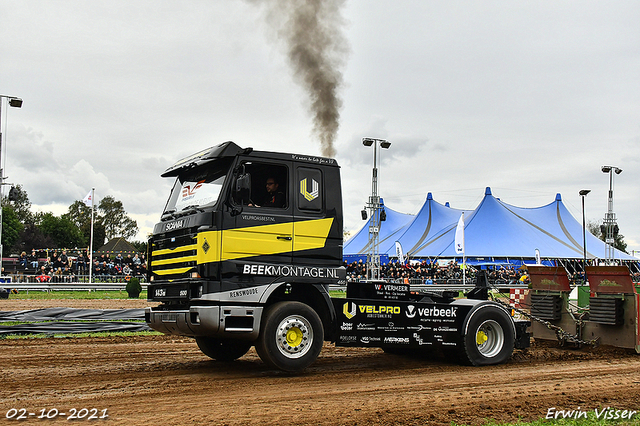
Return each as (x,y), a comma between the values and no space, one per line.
(529,99)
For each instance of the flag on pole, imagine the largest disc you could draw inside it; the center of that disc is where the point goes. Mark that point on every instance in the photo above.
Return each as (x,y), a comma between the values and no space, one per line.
(459,240)
(399,252)
(88,200)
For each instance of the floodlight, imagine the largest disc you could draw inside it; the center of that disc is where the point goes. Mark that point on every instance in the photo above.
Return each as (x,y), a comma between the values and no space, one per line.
(606,169)
(15,102)
(387,144)
(367,141)
(585,192)
(618,171)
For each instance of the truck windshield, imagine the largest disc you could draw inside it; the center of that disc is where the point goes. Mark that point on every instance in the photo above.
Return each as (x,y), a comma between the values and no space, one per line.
(198,187)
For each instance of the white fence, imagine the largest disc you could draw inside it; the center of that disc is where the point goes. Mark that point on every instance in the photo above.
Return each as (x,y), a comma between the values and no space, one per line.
(75,286)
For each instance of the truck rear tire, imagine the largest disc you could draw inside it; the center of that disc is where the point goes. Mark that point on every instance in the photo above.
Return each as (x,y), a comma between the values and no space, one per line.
(489,338)
(224,350)
(291,336)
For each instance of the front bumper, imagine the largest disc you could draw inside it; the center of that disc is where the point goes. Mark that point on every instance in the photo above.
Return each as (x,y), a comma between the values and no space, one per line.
(236,322)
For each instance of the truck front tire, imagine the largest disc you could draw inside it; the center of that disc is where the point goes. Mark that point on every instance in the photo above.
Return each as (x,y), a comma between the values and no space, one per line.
(291,336)
(224,350)
(489,337)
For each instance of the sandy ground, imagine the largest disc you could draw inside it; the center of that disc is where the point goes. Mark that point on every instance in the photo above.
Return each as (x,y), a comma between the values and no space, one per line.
(148,380)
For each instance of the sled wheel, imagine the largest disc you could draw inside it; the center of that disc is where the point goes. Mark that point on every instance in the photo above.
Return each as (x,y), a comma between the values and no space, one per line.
(291,336)
(490,336)
(224,350)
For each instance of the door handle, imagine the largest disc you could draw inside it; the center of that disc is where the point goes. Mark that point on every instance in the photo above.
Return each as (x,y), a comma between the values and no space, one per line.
(282,237)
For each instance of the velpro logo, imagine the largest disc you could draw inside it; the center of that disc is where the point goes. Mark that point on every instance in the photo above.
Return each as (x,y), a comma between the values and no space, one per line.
(304,190)
(349,310)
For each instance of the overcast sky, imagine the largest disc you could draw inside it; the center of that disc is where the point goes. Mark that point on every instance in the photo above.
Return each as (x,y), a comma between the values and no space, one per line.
(528,98)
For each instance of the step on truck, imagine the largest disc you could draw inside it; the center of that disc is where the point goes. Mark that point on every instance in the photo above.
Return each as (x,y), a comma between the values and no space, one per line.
(247,248)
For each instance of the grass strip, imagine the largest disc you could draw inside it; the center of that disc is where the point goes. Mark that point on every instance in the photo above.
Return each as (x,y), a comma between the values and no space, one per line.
(600,416)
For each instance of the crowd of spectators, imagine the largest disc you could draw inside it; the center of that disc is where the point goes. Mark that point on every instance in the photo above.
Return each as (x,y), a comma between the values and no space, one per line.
(577,278)
(430,272)
(62,267)
(106,267)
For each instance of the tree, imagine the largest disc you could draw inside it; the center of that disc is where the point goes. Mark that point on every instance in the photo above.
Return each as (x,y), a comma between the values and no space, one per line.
(32,237)
(63,232)
(80,214)
(11,227)
(115,220)
(21,204)
(24,230)
(594,227)
(99,235)
(141,246)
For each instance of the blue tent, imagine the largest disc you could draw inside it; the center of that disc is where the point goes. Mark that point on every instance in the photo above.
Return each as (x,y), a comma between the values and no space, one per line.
(358,245)
(495,229)
(429,225)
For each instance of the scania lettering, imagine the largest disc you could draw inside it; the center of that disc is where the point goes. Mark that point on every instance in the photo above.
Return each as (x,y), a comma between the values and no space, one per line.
(234,269)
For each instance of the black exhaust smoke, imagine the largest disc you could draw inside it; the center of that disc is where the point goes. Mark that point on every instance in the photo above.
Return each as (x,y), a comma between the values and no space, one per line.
(312,31)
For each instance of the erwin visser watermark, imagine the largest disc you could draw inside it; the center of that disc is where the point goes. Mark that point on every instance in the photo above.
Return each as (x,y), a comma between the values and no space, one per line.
(606,413)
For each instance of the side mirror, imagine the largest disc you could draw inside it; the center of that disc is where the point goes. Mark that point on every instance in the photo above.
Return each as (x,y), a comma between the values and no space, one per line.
(243,188)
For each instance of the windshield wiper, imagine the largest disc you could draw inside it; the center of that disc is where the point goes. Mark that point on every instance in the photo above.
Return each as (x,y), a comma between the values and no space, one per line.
(189,210)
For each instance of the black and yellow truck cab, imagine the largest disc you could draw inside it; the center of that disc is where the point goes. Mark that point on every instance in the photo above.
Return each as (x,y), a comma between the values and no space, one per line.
(247,247)
(242,231)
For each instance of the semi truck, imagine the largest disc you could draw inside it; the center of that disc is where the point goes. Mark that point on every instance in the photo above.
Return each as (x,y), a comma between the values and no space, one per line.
(233,269)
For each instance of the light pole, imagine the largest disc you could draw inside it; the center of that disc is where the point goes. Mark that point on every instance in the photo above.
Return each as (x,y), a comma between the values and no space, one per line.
(610,227)
(373,255)
(583,193)
(15,103)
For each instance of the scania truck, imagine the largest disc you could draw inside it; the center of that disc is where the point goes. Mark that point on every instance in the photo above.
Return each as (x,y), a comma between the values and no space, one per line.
(233,269)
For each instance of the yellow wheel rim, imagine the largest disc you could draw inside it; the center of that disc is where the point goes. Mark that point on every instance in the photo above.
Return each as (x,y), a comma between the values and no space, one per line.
(481,337)
(294,336)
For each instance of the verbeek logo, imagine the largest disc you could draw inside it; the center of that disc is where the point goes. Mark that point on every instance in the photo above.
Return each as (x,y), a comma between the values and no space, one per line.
(411,311)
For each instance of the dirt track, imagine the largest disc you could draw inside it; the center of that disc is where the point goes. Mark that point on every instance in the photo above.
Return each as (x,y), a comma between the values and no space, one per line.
(166,380)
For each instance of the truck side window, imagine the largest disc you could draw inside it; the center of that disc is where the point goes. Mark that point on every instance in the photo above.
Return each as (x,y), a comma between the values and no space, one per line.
(268,185)
(275,196)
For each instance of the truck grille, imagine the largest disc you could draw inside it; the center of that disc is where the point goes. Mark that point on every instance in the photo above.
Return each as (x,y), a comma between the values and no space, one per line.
(173,257)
